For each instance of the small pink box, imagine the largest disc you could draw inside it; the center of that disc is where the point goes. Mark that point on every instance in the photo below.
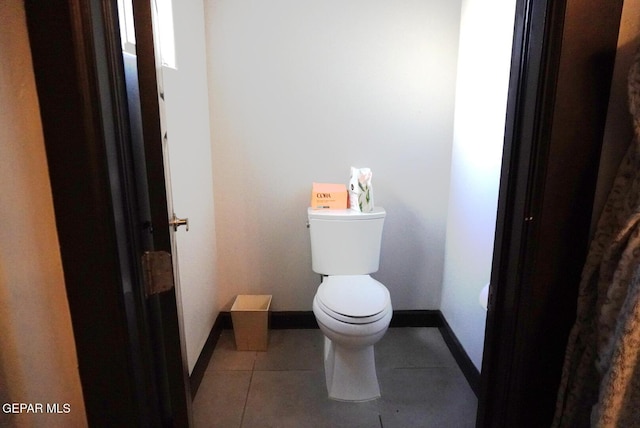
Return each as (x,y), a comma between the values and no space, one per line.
(329,196)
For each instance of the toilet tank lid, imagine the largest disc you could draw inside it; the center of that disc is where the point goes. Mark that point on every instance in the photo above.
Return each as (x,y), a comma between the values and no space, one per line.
(348,214)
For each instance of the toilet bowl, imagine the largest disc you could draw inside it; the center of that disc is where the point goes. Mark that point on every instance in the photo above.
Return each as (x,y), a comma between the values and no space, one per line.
(353,312)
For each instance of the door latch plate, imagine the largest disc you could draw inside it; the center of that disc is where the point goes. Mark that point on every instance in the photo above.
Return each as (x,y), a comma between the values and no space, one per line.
(158,272)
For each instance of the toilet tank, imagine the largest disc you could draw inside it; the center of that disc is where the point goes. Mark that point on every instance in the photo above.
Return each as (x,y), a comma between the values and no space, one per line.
(345,242)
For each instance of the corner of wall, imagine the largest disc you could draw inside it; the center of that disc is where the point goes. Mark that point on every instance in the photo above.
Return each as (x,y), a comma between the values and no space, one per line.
(38,360)
(481,90)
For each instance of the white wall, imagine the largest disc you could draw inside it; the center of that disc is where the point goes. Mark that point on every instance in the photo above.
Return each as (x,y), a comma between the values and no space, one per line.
(187,110)
(38,361)
(483,76)
(299,92)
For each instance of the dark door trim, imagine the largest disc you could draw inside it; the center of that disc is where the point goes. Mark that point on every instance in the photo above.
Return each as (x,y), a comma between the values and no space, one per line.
(525,113)
(128,346)
(155,194)
(562,63)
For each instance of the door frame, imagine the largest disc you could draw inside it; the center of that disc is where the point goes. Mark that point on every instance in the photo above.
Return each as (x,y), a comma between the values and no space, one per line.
(540,242)
(131,365)
(562,65)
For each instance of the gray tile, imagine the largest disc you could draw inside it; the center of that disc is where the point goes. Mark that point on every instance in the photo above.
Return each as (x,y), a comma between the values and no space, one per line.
(296,399)
(285,386)
(410,347)
(221,399)
(226,357)
(292,350)
(429,397)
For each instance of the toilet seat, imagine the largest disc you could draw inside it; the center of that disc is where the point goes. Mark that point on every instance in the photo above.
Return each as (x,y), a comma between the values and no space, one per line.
(353,299)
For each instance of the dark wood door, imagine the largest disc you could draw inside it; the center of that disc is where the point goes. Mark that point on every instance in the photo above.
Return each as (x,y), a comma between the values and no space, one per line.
(110,203)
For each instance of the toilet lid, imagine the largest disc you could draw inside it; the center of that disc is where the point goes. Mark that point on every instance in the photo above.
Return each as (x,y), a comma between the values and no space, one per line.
(353,298)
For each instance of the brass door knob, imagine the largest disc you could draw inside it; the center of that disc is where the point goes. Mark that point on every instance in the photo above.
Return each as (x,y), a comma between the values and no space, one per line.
(177,222)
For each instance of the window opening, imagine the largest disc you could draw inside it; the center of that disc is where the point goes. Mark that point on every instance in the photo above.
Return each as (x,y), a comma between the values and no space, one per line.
(163,29)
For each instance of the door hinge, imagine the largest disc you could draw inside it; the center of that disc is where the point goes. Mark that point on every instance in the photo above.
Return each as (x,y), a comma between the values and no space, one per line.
(158,272)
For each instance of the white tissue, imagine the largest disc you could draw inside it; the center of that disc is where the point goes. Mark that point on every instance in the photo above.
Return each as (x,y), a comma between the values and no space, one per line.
(360,190)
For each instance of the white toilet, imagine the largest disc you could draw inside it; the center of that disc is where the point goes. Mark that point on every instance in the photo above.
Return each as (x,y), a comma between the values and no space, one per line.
(353,310)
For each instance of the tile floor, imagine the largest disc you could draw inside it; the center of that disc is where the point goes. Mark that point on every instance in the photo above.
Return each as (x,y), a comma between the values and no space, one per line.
(283,387)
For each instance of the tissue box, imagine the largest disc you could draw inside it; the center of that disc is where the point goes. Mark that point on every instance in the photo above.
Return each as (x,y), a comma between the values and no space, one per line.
(329,196)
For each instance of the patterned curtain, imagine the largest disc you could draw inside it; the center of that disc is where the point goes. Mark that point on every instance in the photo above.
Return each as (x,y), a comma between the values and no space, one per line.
(600,384)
